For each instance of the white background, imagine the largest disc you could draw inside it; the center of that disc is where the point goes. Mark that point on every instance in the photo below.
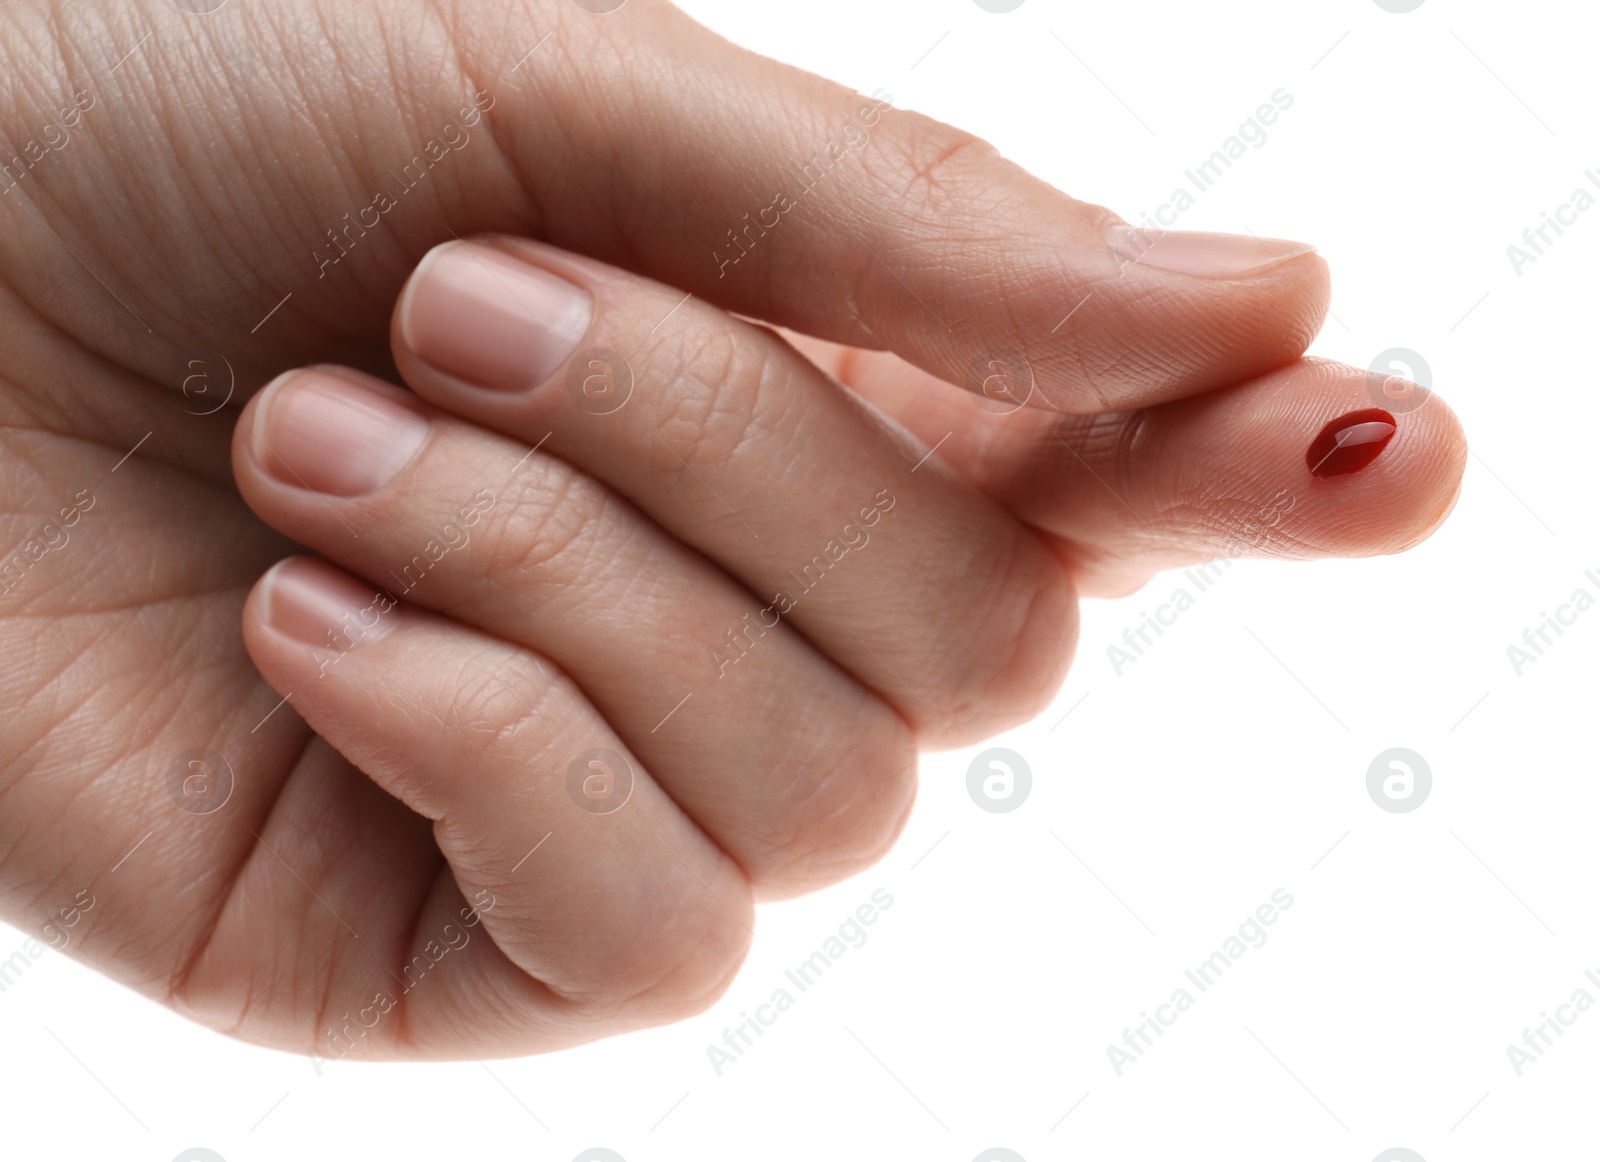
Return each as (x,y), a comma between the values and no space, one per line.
(1377,1015)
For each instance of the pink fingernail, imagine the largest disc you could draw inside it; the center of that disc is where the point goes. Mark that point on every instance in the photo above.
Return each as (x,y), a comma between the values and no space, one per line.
(1202,255)
(326,434)
(317,605)
(477,314)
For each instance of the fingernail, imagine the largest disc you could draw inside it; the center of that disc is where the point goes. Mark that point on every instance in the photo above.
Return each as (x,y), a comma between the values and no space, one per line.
(1203,255)
(1349,443)
(317,605)
(323,433)
(477,314)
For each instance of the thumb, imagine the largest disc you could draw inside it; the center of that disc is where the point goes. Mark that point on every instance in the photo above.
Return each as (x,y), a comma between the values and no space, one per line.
(777,194)
(262,179)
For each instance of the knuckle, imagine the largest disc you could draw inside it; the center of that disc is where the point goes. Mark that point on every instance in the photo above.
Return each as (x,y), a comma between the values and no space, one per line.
(1045,635)
(858,794)
(499,706)
(721,386)
(564,544)
(1004,667)
(675,963)
(939,167)
(483,716)
(546,530)
(698,960)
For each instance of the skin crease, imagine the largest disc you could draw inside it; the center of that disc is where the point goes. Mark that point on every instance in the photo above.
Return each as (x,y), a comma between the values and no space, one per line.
(172,228)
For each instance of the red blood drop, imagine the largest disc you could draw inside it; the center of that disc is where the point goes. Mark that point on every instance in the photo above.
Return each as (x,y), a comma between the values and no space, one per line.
(1349,443)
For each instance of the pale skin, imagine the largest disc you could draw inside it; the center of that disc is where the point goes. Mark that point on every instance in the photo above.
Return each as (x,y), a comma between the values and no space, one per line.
(416,767)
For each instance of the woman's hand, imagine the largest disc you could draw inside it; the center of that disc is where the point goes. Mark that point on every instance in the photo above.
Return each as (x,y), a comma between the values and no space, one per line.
(195,204)
(642,637)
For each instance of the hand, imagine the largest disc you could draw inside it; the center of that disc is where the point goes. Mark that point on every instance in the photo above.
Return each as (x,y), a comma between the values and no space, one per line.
(245,192)
(660,635)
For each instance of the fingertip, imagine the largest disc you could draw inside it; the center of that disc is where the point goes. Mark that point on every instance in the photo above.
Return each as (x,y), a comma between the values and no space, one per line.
(1242,472)
(1445,440)
(1435,524)
(1380,497)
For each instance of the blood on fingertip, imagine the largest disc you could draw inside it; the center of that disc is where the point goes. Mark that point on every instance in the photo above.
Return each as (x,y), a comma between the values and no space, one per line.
(1349,443)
